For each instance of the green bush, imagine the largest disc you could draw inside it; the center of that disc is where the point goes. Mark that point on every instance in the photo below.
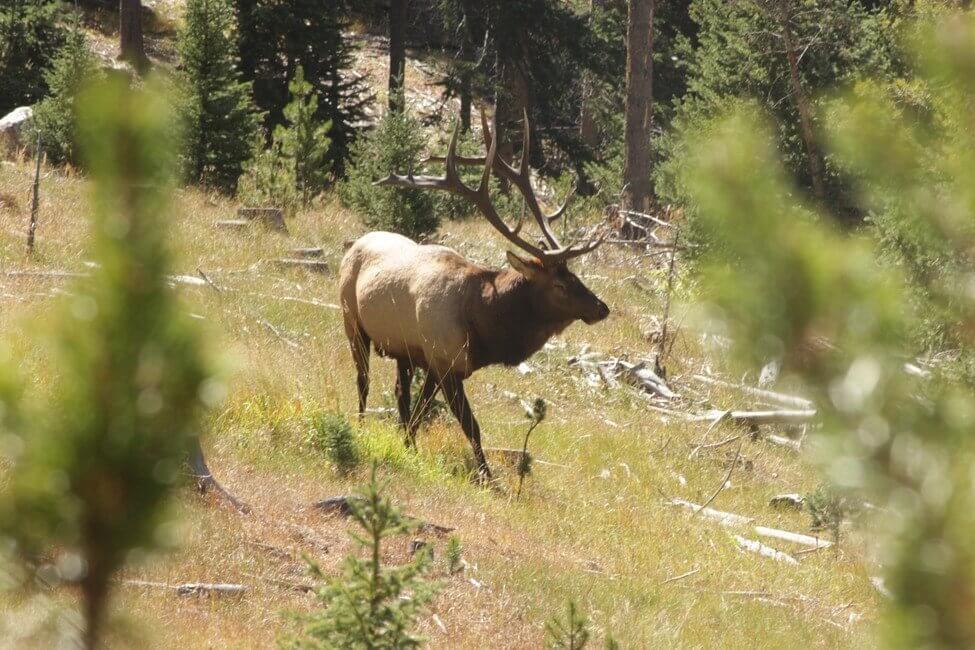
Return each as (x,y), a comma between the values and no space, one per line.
(396,145)
(269,179)
(54,116)
(331,433)
(570,633)
(30,36)
(370,607)
(295,168)
(217,115)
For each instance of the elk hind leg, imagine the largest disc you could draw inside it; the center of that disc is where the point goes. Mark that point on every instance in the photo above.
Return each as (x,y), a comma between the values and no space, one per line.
(359,342)
(404,384)
(453,388)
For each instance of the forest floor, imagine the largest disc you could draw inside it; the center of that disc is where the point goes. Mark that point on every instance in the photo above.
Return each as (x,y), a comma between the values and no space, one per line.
(594,524)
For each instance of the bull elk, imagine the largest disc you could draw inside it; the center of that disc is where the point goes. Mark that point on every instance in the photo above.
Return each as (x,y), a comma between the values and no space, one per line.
(428,307)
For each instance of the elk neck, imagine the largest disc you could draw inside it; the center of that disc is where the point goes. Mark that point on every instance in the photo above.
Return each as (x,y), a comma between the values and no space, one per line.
(506,322)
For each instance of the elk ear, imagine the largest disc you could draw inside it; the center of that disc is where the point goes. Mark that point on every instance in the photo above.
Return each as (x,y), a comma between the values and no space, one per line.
(530,268)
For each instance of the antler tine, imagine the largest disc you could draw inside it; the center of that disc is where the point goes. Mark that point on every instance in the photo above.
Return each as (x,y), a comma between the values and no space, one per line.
(561,211)
(525,146)
(571,252)
(492,152)
(521,221)
(450,162)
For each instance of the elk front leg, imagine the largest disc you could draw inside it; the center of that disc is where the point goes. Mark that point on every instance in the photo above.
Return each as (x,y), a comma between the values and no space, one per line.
(404,385)
(453,388)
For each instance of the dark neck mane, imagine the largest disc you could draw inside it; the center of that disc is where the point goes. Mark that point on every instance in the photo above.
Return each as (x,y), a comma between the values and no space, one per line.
(504,323)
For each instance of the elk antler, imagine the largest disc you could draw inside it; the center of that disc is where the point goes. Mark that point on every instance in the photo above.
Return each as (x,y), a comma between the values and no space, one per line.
(554,253)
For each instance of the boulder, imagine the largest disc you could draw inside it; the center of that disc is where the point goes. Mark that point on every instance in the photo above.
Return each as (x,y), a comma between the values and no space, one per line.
(13,128)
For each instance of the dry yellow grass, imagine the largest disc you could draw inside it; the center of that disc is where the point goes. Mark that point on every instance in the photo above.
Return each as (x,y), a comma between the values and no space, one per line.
(593,527)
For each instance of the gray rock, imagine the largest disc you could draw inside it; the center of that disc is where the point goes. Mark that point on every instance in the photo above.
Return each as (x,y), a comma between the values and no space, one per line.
(13,129)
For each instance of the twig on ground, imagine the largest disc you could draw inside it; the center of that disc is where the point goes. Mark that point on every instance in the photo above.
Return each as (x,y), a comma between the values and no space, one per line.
(726,478)
(681,576)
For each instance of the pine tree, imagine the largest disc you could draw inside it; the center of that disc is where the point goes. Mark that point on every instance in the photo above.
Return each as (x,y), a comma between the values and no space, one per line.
(218,117)
(30,36)
(370,607)
(304,141)
(277,37)
(99,457)
(54,116)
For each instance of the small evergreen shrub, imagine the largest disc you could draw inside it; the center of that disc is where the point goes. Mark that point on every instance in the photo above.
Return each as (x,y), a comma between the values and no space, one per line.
(54,116)
(217,115)
(305,140)
(332,434)
(453,555)
(30,37)
(370,607)
(396,145)
(296,166)
(269,179)
(569,633)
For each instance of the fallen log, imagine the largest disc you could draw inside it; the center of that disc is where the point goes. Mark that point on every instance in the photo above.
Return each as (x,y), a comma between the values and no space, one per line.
(318,266)
(193,588)
(795,538)
(754,546)
(640,376)
(724,518)
(271,217)
(232,224)
(757,418)
(308,252)
(793,500)
(785,400)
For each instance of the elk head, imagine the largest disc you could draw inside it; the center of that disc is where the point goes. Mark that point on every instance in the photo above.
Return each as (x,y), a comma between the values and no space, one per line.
(556,290)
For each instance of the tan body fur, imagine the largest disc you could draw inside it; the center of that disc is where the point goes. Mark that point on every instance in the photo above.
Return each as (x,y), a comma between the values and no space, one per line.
(409,299)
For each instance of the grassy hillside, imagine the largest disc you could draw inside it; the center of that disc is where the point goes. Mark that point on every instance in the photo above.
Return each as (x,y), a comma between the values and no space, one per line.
(593,523)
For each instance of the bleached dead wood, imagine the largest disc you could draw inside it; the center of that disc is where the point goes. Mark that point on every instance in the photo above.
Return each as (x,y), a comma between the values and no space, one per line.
(193,588)
(232,224)
(754,546)
(642,377)
(318,266)
(782,441)
(795,538)
(733,520)
(792,500)
(756,418)
(270,217)
(724,518)
(781,398)
(308,252)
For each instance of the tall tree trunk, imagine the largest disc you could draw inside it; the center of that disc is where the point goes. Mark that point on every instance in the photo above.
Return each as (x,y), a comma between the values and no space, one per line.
(587,123)
(397,54)
(131,45)
(638,188)
(813,158)
(466,96)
